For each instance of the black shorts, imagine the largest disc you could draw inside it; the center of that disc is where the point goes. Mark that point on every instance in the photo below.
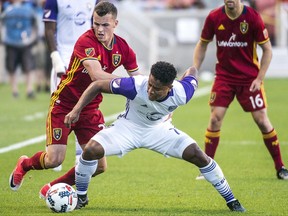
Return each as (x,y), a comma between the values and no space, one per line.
(16,56)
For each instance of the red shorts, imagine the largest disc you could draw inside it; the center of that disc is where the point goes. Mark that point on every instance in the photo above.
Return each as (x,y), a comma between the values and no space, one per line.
(222,94)
(85,128)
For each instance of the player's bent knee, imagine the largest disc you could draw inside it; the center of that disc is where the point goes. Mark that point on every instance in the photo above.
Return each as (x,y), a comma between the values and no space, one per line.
(93,151)
(195,155)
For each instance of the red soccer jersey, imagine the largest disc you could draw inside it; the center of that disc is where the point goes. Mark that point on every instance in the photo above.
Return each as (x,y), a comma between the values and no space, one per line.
(236,41)
(77,79)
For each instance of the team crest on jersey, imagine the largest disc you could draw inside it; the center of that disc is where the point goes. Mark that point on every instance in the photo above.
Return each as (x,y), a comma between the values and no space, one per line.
(90,52)
(57,133)
(244,27)
(116,59)
(212,97)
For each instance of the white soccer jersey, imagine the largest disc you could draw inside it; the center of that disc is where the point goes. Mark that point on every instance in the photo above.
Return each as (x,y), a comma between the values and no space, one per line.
(140,110)
(144,123)
(73,18)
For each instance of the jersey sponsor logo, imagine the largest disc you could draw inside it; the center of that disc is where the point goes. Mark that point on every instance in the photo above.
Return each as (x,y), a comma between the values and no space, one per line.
(221,27)
(212,97)
(85,71)
(116,59)
(47,13)
(154,116)
(90,52)
(244,27)
(80,18)
(232,42)
(57,133)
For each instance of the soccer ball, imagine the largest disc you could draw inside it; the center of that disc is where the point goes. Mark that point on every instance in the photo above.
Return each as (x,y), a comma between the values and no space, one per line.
(61,198)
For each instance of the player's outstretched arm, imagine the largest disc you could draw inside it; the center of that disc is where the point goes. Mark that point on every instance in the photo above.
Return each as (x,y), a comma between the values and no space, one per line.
(88,95)
(199,53)
(191,71)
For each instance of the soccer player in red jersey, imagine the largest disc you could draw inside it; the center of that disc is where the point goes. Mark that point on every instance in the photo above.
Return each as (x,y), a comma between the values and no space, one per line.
(238,30)
(97,53)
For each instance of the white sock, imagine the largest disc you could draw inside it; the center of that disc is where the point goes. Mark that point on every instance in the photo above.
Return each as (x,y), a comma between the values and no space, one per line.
(83,172)
(213,174)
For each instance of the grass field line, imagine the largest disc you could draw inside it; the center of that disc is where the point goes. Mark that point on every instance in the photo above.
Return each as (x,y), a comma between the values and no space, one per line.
(200,92)
(41,138)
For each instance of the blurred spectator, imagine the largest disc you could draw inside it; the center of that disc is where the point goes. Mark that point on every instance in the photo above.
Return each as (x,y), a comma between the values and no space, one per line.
(19,34)
(181,4)
(267,10)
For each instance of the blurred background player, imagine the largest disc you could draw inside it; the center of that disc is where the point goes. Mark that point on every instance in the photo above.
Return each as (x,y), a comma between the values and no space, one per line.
(238,73)
(65,21)
(41,52)
(19,34)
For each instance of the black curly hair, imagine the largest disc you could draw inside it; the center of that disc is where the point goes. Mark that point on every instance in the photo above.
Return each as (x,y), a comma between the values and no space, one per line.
(164,72)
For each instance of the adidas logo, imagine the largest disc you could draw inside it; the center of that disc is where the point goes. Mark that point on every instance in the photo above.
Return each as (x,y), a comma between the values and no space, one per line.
(221,27)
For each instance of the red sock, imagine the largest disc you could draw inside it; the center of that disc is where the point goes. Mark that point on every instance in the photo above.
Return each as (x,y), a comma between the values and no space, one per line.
(68,178)
(273,146)
(36,162)
(211,142)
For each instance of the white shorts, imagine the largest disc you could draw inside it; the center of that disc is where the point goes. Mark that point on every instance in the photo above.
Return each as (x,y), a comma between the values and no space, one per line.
(123,136)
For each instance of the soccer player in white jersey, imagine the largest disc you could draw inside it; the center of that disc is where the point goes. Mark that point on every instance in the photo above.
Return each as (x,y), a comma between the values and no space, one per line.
(150,101)
(65,21)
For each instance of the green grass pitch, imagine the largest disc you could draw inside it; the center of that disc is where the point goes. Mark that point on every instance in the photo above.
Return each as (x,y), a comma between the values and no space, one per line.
(146,183)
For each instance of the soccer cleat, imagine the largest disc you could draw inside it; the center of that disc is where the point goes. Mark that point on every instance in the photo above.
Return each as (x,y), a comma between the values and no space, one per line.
(236,206)
(16,177)
(282,173)
(43,191)
(200,177)
(82,201)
